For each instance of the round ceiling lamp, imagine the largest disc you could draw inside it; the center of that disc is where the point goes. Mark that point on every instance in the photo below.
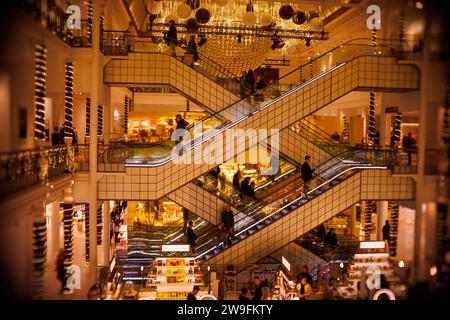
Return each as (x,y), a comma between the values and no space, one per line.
(249,19)
(202,15)
(184,11)
(299,17)
(222,3)
(154,7)
(286,12)
(192,25)
(170,17)
(316,24)
(265,19)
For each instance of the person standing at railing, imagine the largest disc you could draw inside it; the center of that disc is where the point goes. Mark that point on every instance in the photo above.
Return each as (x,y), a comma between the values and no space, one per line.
(409,146)
(242,82)
(172,37)
(61,135)
(250,86)
(55,136)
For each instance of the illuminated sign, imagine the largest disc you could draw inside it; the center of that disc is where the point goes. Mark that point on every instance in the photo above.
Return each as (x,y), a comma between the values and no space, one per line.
(286,263)
(175,248)
(372,245)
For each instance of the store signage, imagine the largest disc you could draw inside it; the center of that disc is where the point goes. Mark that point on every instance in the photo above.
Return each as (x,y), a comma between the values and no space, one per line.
(391,110)
(175,248)
(286,263)
(372,245)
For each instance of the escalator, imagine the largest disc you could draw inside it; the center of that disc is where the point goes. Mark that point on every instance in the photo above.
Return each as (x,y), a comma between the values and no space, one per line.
(263,228)
(346,68)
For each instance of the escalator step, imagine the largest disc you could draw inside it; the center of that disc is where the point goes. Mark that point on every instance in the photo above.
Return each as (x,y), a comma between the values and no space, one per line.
(259,226)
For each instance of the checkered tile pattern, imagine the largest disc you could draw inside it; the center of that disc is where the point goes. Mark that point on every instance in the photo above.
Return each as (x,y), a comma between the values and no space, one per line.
(299,256)
(156,68)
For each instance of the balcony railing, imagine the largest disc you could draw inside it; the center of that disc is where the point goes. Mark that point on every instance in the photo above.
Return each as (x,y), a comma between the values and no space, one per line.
(20,170)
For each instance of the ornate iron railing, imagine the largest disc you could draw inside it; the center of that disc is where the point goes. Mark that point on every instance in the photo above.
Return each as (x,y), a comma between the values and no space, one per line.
(23,169)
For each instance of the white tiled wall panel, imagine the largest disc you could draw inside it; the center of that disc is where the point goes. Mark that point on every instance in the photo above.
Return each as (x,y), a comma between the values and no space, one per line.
(201,202)
(298,256)
(157,68)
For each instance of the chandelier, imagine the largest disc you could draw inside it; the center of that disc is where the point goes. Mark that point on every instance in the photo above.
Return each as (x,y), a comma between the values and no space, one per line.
(240,34)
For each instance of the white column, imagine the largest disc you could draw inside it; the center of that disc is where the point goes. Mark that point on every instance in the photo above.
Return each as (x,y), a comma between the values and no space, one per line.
(96,80)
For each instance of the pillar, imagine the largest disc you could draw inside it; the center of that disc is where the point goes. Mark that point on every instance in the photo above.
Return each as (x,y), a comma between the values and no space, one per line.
(382,216)
(96,82)
(39,251)
(432,84)
(68,236)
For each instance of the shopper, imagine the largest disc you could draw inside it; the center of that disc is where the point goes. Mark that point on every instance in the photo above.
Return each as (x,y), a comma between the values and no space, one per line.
(260,89)
(55,136)
(180,130)
(245,295)
(192,295)
(192,49)
(191,236)
(305,274)
(258,289)
(62,132)
(266,295)
(172,37)
(386,229)
(227,218)
(245,184)
(336,136)
(237,180)
(251,191)
(185,219)
(331,239)
(304,288)
(321,233)
(60,271)
(409,146)
(307,173)
(250,86)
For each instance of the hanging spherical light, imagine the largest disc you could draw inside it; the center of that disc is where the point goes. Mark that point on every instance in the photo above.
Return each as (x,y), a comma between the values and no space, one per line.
(202,15)
(316,24)
(154,7)
(286,12)
(222,3)
(249,19)
(170,17)
(265,19)
(192,25)
(299,18)
(184,11)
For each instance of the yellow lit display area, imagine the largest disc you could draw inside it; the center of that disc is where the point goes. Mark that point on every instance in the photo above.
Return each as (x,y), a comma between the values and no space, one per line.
(147,128)
(162,213)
